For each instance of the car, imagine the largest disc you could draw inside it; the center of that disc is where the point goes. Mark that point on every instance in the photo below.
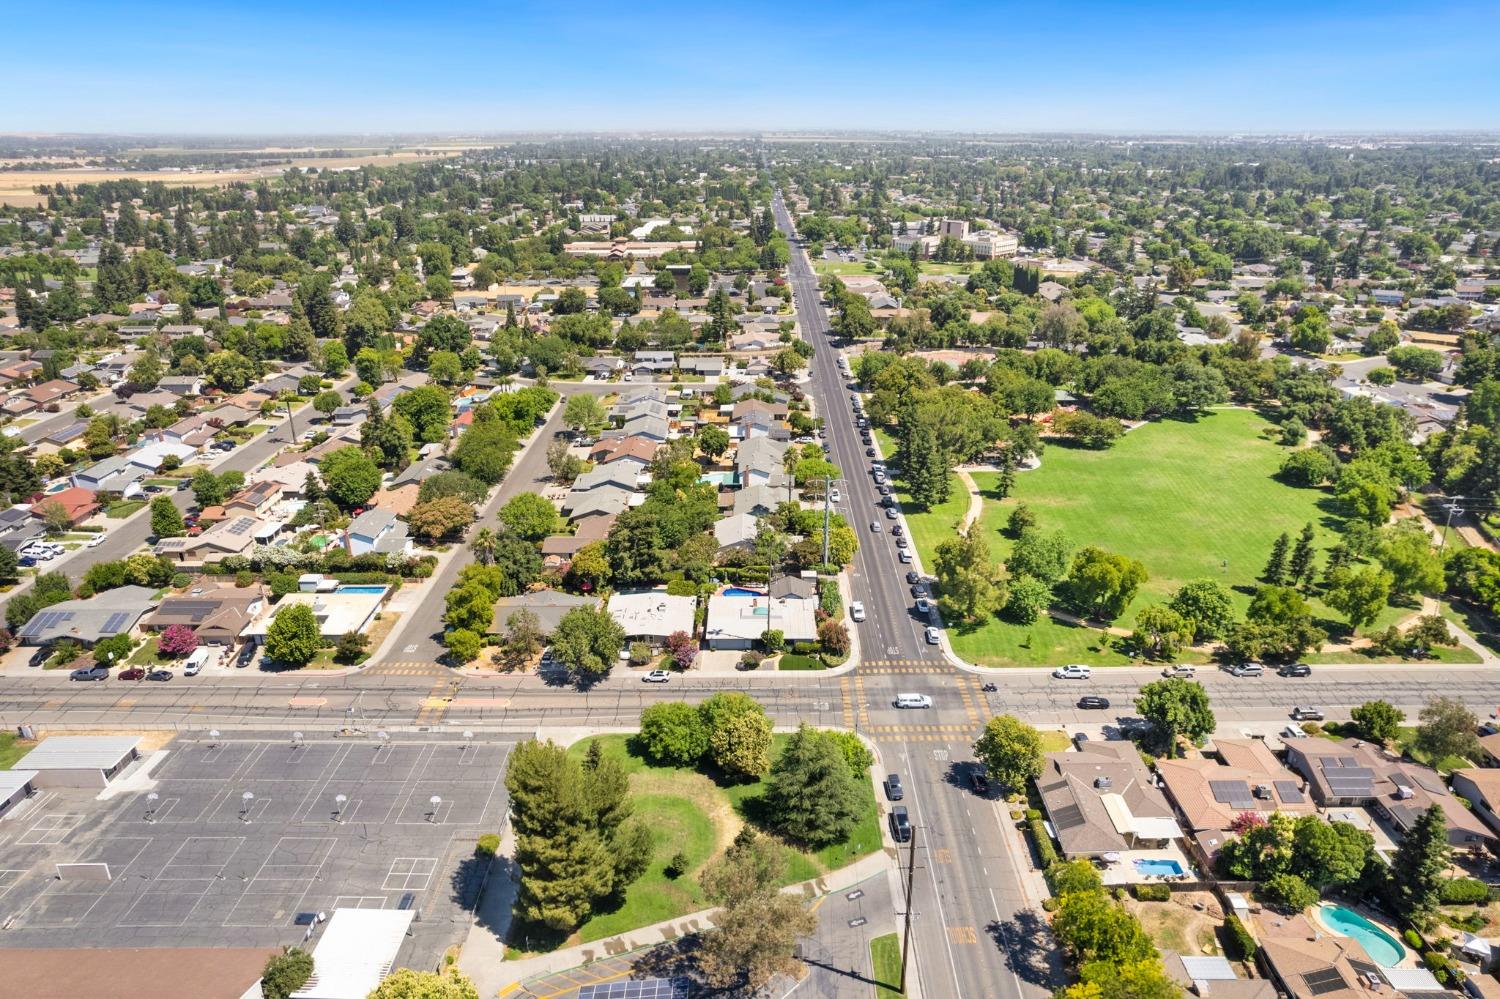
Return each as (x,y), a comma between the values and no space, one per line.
(875,526)
(1179,670)
(94,542)
(1072,671)
(900,824)
(26,561)
(1094,702)
(923,605)
(901,543)
(657,676)
(89,673)
(915,580)
(893,789)
(904,555)
(913,701)
(193,668)
(153,489)
(979,780)
(834,496)
(159,674)
(898,530)
(1307,713)
(1247,669)
(857,611)
(888,501)
(869,452)
(891,513)
(183,485)
(1295,669)
(930,635)
(883,489)
(877,466)
(133,673)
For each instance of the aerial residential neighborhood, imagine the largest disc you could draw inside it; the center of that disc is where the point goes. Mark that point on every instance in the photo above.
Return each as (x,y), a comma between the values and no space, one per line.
(516,506)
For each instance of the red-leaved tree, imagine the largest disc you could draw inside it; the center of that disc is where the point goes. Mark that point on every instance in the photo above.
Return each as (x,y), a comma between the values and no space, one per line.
(684,649)
(177,640)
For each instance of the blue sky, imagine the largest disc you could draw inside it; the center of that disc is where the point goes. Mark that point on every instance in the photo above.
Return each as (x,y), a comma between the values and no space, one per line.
(269,66)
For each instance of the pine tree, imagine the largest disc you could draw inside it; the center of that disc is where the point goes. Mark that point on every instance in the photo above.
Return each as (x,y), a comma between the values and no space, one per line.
(1275,573)
(926,471)
(116,282)
(128,228)
(1420,863)
(1301,569)
(1338,557)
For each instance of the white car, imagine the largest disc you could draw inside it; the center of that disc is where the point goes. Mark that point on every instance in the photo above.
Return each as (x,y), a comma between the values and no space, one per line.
(924,605)
(857,611)
(193,668)
(657,676)
(94,542)
(930,634)
(1179,670)
(1072,671)
(834,496)
(904,554)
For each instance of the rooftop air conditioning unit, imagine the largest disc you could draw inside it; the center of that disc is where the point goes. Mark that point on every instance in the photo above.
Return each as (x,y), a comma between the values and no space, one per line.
(1103,783)
(1263,791)
(1403,792)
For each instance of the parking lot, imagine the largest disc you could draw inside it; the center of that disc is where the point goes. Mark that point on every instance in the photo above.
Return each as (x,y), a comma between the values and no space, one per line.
(243,836)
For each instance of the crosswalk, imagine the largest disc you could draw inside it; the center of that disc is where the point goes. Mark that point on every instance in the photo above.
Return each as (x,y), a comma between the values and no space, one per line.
(408,669)
(924,733)
(925,663)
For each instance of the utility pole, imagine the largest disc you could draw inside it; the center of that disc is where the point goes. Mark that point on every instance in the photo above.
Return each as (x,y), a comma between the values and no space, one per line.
(1452,507)
(911,873)
(291,421)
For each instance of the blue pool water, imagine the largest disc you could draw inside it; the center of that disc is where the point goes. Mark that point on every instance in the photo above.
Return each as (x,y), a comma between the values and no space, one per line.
(1157,868)
(739,591)
(1380,945)
(726,478)
(361,588)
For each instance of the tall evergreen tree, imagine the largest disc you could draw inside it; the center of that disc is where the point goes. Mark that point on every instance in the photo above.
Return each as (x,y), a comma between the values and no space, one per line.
(1300,570)
(116,282)
(811,795)
(926,470)
(128,228)
(1275,572)
(1420,864)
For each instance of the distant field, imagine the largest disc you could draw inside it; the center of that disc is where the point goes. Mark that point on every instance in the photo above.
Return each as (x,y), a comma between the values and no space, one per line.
(16,187)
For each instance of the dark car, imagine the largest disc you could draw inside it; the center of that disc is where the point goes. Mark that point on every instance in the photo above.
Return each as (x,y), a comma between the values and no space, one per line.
(900,824)
(89,673)
(869,452)
(159,674)
(133,673)
(893,789)
(979,780)
(913,577)
(884,489)
(1295,669)
(1093,701)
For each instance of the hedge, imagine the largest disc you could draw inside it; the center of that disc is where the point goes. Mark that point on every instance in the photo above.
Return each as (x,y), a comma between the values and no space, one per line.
(488,845)
(1413,939)
(1045,851)
(1152,892)
(1237,940)
(1463,891)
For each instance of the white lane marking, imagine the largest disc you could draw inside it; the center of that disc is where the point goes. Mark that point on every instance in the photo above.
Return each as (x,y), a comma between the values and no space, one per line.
(1005,934)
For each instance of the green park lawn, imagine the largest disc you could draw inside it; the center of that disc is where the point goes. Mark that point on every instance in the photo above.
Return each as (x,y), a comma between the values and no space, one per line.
(822,267)
(885,960)
(688,811)
(1189,499)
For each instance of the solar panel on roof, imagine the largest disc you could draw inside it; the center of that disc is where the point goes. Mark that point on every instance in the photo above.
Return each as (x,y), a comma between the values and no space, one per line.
(1290,791)
(115,623)
(239,526)
(1365,969)
(1067,817)
(645,988)
(1324,981)
(1234,793)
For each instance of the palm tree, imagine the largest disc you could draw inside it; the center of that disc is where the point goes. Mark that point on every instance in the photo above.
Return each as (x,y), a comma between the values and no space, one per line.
(483,545)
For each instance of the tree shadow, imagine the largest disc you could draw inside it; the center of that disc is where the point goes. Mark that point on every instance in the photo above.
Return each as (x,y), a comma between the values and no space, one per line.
(1030,951)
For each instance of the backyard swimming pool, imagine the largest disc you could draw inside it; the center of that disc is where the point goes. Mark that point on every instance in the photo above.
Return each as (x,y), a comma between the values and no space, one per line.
(739,591)
(1385,949)
(1158,868)
(361,588)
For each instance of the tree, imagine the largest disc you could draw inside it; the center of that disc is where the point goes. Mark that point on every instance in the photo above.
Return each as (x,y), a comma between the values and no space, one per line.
(327,402)
(1421,863)
(1132,980)
(1010,750)
(523,635)
(1043,556)
(590,565)
(463,644)
(927,469)
(1206,606)
(1101,584)
(177,640)
(207,488)
(1309,467)
(739,734)
(673,733)
(441,518)
(1290,892)
(811,795)
(285,973)
(349,476)
(428,410)
(713,441)
(588,640)
(1447,728)
(969,587)
(564,465)
(485,451)
(584,413)
(1093,928)
(1377,721)
(57,518)
(1299,569)
(1326,854)
(294,637)
(529,516)
(1406,553)
(1160,631)
(1359,594)
(1275,571)
(404,983)
(756,932)
(1176,707)
(683,648)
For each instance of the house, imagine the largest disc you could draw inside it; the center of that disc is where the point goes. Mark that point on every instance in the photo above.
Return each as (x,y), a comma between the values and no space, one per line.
(1387,296)
(1213,977)
(558,549)
(86,621)
(1311,964)
(549,606)
(1480,787)
(603,368)
(217,614)
(652,615)
(653,362)
(228,537)
(190,426)
(621,475)
(708,367)
(736,622)
(800,587)
(339,613)
(256,498)
(111,475)
(1102,800)
(419,471)
(605,500)
(644,425)
(760,499)
(347,416)
(150,457)
(181,385)
(638,451)
(1354,773)
(79,504)
(376,530)
(50,391)
(736,531)
(760,460)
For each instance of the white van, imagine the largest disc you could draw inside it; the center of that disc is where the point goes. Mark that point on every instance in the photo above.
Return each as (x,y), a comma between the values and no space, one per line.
(913,701)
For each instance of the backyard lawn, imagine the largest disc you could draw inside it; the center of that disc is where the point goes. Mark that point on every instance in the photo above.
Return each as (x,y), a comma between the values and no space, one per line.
(687,811)
(1189,499)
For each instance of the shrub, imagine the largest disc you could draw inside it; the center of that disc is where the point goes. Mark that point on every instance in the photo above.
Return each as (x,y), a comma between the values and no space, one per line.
(1291,892)
(682,588)
(488,845)
(640,653)
(286,973)
(244,578)
(1463,891)
(1068,876)
(677,866)
(177,640)
(1156,892)
(1413,939)
(1238,942)
(181,579)
(1045,851)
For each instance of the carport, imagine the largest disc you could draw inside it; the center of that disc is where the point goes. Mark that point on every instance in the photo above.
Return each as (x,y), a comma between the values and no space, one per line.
(81,760)
(15,787)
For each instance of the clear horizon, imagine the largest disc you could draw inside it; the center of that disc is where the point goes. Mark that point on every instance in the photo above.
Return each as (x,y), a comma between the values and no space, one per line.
(1162,66)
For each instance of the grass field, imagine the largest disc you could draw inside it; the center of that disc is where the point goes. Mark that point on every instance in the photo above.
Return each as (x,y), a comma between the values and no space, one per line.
(885,959)
(822,267)
(1189,499)
(12,749)
(687,811)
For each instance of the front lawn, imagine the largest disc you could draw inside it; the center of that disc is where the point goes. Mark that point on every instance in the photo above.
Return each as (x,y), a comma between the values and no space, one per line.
(120,509)
(688,811)
(12,749)
(795,661)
